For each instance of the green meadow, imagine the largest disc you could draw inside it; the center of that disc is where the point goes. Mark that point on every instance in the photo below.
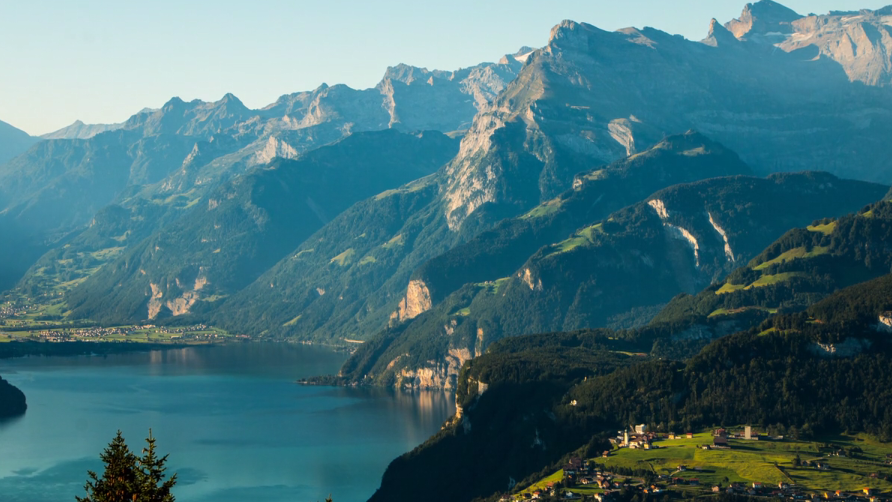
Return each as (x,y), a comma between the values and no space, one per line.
(766,462)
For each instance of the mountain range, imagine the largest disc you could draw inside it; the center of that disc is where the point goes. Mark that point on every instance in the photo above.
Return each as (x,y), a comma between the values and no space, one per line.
(430,236)
(180,151)
(586,99)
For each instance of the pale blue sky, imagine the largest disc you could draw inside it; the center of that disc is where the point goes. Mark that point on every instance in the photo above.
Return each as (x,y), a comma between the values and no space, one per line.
(103,60)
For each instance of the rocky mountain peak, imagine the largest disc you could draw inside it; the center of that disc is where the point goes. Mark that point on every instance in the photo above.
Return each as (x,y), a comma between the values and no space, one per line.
(230,99)
(520,56)
(571,35)
(231,105)
(172,104)
(719,35)
(407,73)
(80,130)
(763,18)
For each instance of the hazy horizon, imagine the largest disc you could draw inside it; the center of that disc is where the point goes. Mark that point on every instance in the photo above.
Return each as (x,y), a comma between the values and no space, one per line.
(104,63)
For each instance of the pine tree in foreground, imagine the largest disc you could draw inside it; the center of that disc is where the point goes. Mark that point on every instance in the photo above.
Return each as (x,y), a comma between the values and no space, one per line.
(128,478)
(150,475)
(119,478)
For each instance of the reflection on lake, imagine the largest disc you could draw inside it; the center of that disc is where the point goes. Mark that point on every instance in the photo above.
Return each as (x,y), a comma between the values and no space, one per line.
(233,421)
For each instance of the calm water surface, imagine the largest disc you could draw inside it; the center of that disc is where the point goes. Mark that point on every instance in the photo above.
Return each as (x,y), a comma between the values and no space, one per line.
(233,421)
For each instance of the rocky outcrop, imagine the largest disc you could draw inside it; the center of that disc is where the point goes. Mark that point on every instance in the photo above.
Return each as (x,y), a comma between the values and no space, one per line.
(884,322)
(155,303)
(763,19)
(849,348)
(660,208)
(527,276)
(435,374)
(416,302)
(274,147)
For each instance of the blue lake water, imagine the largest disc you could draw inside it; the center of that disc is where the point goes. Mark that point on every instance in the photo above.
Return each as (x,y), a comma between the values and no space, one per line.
(235,425)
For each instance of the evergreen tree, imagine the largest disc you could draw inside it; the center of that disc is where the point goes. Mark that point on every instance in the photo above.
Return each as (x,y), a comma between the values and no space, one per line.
(118,482)
(150,475)
(128,478)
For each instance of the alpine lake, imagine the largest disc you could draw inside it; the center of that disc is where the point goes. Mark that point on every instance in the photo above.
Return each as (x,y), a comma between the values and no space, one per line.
(235,424)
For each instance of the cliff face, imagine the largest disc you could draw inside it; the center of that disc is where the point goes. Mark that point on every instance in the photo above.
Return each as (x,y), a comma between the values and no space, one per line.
(416,301)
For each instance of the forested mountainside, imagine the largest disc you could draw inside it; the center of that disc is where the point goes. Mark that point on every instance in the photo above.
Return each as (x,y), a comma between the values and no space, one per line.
(804,372)
(249,224)
(799,269)
(617,271)
(12,400)
(584,100)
